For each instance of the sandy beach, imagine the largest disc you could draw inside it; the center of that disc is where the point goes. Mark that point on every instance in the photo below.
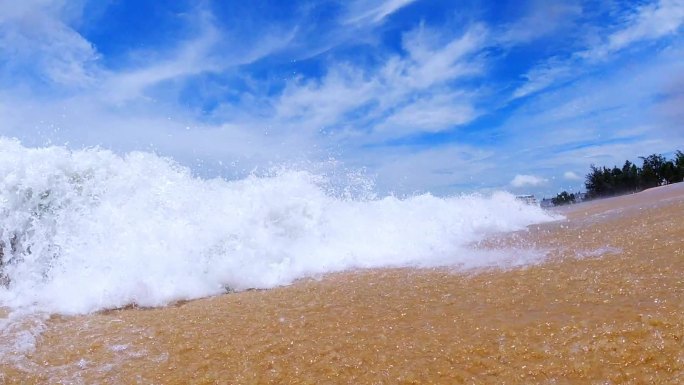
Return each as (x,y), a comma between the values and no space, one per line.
(605,307)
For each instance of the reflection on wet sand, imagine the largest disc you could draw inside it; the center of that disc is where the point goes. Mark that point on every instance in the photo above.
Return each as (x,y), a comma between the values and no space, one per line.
(607,307)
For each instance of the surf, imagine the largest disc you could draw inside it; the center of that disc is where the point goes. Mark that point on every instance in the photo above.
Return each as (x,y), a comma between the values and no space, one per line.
(89,229)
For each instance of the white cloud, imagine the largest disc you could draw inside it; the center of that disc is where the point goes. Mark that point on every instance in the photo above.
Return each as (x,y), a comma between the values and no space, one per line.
(587,108)
(431,60)
(544,18)
(431,114)
(208,51)
(37,39)
(521,180)
(542,76)
(402,96)
(37,35)
(189,58)
(649,22)
(372,11)
(322,103)
(571,175)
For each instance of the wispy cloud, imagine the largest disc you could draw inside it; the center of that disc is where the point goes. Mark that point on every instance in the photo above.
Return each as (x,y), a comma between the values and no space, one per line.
(208,51)
(430,114)
(648,22)
(542,76)
(38,41)
(372,11)
(541,19)
(405,94)
(189,58)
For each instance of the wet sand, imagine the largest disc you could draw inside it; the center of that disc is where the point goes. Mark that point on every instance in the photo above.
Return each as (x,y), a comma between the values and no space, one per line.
(607,307)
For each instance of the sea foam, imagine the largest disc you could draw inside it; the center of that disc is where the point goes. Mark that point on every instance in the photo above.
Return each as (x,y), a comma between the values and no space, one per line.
(89,229)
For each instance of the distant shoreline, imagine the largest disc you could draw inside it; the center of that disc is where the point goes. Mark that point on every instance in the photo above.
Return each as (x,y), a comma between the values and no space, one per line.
(651,194)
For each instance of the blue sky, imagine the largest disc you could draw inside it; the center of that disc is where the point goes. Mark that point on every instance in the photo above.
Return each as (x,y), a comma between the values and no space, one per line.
(423,95)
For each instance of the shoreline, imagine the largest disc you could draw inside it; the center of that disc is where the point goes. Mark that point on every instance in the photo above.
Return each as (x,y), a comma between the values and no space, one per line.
(648,196)
(607,305)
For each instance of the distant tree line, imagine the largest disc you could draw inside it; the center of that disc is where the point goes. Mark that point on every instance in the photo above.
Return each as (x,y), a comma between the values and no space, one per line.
(601,182)
(655,170)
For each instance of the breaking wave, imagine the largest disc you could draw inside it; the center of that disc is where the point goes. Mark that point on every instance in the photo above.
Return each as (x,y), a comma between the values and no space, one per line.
(89,229)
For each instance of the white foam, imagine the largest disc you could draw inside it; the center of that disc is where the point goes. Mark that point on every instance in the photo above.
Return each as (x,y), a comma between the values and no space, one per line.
(98,230)
(19,331)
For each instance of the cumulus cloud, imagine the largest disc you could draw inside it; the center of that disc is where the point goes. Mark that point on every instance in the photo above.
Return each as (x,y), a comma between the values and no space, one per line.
(522,180)
(570,175)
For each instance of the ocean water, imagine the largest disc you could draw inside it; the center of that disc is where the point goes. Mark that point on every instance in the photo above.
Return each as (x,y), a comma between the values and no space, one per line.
(85,230)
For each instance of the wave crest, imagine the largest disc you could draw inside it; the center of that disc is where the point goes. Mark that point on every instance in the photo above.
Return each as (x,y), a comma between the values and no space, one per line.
(86,230)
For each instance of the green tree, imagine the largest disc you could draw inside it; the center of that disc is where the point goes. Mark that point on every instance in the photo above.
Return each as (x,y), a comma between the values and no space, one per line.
(656,170)
(679,159)
(679,164)
(593,182)
(630,177)
(652,170)
(601,182)
(669,172)
(618,181)
(563,199)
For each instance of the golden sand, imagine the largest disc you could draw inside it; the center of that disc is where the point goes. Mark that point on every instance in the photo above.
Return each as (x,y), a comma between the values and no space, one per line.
(606,308)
